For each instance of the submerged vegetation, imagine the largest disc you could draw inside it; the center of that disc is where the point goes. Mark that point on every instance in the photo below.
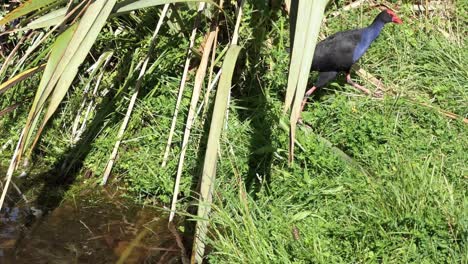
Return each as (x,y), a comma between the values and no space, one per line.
(373,180)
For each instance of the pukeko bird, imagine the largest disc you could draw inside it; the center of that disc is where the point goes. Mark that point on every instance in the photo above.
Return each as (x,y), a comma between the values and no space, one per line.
(340,51)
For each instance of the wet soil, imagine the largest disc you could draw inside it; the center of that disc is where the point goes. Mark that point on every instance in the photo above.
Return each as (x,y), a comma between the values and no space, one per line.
(94,226)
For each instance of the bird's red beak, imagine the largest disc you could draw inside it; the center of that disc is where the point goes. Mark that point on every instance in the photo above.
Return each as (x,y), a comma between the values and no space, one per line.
(397,20)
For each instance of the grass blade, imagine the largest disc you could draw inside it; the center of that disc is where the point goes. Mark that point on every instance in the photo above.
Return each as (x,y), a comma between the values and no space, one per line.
(130,5)
(306,35)
(211,156)
(89,100)
(50,19)
(18,78)
(296,54)
(41,38)
(201,6)
(9,60)
(200,76)
(55,17)
(113,156)
(83,38)
(25,8)
(58,50)
(9,109)
(11,169)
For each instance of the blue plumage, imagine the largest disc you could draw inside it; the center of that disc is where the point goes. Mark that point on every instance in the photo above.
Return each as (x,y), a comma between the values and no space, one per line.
(368,35)
(340,51)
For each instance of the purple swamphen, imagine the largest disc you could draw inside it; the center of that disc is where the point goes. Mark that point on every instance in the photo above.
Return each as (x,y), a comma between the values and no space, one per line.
(340,51)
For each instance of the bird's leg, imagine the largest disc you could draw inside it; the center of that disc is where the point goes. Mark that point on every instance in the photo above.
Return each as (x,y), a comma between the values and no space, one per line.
(357,86)
(307,94)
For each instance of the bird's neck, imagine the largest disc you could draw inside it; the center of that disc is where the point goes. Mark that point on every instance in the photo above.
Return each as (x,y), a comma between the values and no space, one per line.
(373,31)
(368,35)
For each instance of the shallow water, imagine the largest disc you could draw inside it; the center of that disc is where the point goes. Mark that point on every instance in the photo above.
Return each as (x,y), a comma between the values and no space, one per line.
(93,227)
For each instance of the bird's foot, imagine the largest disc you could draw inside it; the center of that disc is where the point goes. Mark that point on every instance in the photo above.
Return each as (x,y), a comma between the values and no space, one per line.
(304,102)
(357,86)
(306,96)
(378,93)
(300,121)
(310,91)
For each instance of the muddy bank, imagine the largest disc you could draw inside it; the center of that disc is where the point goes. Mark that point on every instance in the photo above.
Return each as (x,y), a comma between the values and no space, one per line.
(94,226)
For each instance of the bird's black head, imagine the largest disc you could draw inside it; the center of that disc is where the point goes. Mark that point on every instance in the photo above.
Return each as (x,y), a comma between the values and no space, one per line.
(388,16)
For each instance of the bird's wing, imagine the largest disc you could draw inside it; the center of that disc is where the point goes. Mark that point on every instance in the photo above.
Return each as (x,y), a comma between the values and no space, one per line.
(335,53)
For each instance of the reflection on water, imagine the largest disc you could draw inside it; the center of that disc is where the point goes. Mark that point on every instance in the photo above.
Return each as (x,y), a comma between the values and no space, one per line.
(92,228)
(10,228)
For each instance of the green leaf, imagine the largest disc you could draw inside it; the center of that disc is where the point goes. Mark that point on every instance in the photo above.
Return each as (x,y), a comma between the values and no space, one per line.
(49,19)
(8,84)
(309,19)
(301,215)
(83,39)
(25,8)
(58,49)
(211,155)
(297,52)
(130,5)
(57,16)
(9,109)
(69,51)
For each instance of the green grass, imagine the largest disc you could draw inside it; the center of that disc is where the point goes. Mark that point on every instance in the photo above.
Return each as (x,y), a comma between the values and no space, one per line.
(405,204)
(409,206)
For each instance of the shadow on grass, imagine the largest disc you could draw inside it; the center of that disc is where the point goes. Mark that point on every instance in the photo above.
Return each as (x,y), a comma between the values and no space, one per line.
(58,179)
(65,171)
(253,97)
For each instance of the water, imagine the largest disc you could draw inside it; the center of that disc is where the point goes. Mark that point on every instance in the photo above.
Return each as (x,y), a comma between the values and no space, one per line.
(93,227)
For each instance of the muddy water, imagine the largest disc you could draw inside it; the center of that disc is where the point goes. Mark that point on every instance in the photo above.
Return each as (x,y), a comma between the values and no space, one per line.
(93,227)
